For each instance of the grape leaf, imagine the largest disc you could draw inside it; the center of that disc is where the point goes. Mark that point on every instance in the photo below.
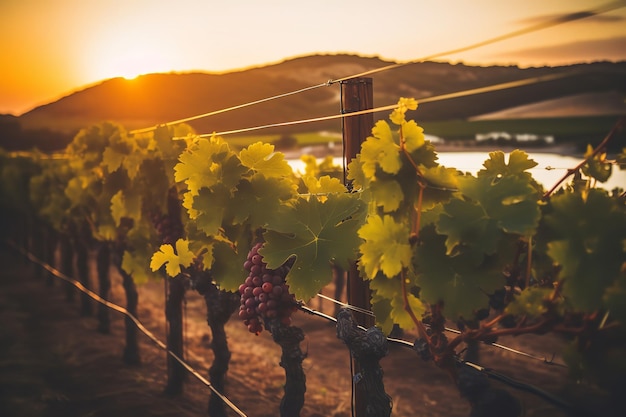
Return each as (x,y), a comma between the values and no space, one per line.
(317,234)
(399,314)
(381,307)
(496,165)
(200,166)
(465,225)
(323,185)
(209,206)
(529,303)
(441,183)
(510,200)
(381,151)
(388,194)
(125,205)
(227,268)
(134,264)
(397,116)
(413,136)
(587,242)
(457,282)
(356,174)
(386,247)
(391,290)
(597,167)
(112,159)
(262,158)
(259,199)
(172,260)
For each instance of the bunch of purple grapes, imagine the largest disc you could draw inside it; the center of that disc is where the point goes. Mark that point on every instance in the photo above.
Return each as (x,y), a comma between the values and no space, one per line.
(264,294)
(168,229)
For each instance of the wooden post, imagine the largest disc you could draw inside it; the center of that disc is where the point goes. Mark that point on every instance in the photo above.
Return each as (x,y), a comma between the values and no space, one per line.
(357,94)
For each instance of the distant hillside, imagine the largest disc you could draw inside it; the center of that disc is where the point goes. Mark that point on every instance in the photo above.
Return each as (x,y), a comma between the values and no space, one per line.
(158,98)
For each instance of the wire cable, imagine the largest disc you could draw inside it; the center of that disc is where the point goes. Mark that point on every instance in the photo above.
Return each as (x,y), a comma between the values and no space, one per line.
(487,371)
(529,29)
(227,109)
(543,359)
(138,323)
(464,93)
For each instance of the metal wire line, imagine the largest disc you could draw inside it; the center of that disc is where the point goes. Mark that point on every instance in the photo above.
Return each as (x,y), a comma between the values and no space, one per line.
(533,28)
(464,93)
(227,109)
(487,371)
(138,323)
(448,329)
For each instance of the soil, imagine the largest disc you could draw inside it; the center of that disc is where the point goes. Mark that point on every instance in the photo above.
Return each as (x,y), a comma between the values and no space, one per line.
(53,362)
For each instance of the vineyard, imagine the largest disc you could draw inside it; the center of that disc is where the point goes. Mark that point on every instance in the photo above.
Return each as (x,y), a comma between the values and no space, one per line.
(163,271)
(450,259)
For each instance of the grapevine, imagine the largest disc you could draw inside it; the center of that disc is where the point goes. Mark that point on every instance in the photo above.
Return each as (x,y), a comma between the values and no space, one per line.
(494,252)
(264,294)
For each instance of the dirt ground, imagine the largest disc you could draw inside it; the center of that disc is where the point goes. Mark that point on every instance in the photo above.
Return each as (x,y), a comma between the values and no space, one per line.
(53,362)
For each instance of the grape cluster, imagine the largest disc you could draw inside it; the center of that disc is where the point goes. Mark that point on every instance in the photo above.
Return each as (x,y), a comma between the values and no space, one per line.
(264,294)
(168,229)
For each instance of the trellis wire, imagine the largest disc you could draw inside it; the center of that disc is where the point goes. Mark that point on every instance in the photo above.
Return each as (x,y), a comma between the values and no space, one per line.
(448,329)
(464,93)
(532,28)
(513,383)
(137,322)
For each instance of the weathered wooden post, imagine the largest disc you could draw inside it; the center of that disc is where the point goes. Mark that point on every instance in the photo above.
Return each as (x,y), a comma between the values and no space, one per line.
(357,94)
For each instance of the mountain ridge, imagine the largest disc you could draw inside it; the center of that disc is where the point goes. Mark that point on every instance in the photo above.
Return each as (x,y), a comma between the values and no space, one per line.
(153,99)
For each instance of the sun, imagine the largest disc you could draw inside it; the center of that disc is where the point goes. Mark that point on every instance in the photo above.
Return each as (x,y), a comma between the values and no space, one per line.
(126,56)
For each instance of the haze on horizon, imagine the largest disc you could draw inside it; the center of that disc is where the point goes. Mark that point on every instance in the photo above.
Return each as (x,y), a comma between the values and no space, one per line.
(53,48)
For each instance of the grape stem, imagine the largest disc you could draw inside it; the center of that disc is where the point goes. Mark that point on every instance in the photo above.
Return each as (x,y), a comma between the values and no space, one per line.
(421,329)
(616,128)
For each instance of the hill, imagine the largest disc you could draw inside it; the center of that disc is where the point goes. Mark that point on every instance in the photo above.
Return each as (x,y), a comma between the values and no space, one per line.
(158,98)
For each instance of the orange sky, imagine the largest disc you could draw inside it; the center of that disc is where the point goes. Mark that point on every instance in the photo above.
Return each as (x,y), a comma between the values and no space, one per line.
(51,48)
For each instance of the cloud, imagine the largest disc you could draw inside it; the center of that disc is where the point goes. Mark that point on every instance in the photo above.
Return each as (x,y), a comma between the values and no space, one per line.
(607,49)
(588,16)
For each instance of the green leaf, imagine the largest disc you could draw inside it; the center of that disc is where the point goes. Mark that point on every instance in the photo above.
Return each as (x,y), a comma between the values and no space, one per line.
(259,199)
(135,265)
(496,165)
(227,268)
(510,200)
(597,167)
(201,165)
(457,282)
(356,174)
(318,234)
(413,136)
(386,247)
(262,158)
(125,205)
(209,207)
(398,114)
(466,225)
(400,316)
(112,159)
(381,307)
(381,151)
(390,289)
(323,185)
(172,260)
(529,303)
(388,194)
(587,242)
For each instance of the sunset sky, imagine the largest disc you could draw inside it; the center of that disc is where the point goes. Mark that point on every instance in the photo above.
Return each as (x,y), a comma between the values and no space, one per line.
(50,48)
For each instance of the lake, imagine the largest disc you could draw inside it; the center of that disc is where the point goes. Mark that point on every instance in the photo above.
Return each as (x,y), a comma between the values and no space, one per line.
(550,169)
